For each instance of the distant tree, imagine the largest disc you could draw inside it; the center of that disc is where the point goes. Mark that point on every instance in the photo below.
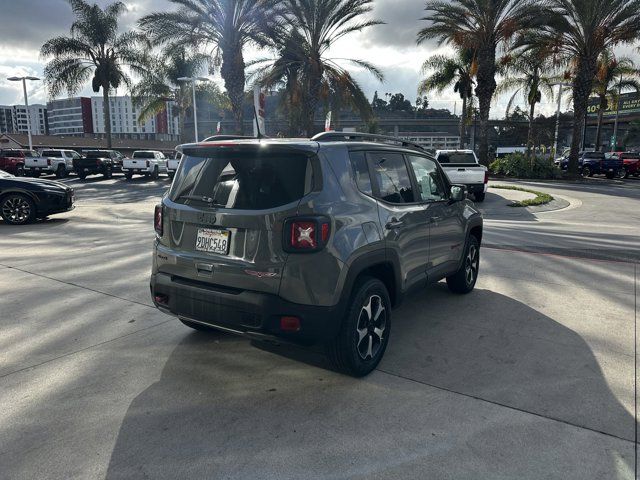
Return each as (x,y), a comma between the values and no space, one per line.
(95,50)
(160,84)
(457,71)
(483,26)
(397,103)
(377,103)
(612,77)
(578,32)
(226,25)
(529,75)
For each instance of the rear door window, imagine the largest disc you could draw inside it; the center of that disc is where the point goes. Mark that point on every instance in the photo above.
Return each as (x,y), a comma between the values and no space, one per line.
(243,181)
(391,181)
(52,153)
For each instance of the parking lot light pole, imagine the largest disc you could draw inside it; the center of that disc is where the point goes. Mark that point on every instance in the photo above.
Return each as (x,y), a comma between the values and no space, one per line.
(614,142)
(193,81)
(26,102)
(555,137)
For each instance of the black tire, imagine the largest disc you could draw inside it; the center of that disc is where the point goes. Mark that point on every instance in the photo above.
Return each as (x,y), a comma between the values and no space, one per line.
(464,280)
(17,209)
(128,175)
(82,175)
(171,175)
(610,175)
(624,173)
(155,174)
(479,196)
(363,339)
(197,326)
(108,173)
(586,172)
(61,171)
(35,174)
(20,171)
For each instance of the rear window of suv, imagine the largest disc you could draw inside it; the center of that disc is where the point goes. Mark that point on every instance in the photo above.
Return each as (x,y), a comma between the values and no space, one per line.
(456,157)
(243,181)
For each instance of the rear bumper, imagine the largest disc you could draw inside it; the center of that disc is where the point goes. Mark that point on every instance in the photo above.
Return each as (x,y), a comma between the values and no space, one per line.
(242,311)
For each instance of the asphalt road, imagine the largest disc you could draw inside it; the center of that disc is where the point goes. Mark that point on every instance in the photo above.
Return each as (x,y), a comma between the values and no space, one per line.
(533,375)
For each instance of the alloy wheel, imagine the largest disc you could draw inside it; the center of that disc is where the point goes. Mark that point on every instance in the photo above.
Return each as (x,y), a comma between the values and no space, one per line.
(471,264)
(371,327)
(16,209)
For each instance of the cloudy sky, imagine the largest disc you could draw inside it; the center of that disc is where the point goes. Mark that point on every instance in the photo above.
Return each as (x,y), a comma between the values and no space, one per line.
(26,24)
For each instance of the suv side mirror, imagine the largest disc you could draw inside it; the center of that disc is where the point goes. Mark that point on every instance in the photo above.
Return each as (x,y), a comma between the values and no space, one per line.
(458,193)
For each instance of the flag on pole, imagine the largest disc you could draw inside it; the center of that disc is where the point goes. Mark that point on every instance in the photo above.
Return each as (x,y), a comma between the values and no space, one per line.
(259,106)
(327,122)
(219,127)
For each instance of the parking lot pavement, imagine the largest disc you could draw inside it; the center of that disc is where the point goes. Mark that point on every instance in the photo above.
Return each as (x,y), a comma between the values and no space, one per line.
(530,376)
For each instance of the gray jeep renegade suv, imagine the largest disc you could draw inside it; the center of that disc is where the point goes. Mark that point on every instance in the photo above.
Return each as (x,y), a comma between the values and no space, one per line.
(310,240)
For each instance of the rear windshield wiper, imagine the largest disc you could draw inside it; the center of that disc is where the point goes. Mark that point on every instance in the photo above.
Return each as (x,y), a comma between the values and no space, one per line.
(202,198)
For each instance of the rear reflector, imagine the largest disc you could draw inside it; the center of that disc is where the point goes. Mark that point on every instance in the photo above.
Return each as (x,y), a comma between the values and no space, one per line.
(486,176)
(161,299)
(290,324)
(157,220)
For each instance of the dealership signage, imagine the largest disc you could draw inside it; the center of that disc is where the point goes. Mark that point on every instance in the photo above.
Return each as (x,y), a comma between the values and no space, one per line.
(629,106)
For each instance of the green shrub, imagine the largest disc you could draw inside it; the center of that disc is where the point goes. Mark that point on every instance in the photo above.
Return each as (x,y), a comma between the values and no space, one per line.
(518,165)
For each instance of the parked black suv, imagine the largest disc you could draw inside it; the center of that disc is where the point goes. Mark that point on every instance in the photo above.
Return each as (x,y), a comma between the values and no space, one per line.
(310,240)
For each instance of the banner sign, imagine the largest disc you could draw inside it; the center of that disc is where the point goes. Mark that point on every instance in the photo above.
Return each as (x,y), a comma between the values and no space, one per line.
(629,105)
(327,122)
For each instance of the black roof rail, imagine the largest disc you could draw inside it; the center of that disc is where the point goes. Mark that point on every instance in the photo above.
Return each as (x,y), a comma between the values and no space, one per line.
(367,137)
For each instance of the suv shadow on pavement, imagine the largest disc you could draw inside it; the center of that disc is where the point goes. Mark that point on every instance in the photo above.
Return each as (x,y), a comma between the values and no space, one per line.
(222,409)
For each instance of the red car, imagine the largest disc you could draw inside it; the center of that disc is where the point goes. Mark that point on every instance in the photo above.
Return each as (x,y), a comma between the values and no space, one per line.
(12,160)
(631,163)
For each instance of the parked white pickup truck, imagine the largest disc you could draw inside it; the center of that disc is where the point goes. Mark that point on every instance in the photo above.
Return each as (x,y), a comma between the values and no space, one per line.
(462,168)
(56,161)
(173,164)
(149,163)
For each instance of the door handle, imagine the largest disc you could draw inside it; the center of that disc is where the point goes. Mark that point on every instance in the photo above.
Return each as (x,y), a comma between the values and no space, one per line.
(393,223)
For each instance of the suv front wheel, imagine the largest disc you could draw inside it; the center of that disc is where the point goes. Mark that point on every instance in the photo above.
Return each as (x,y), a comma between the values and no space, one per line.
(365,330)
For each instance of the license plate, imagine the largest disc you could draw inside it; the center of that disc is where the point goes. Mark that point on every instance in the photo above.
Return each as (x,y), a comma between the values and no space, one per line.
(213,241)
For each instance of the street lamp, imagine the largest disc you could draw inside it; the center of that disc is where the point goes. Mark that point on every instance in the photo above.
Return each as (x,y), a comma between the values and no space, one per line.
(26,102)
(193,81)
(555,138)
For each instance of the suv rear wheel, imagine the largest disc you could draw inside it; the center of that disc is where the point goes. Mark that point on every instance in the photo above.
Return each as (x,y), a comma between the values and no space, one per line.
(464,280)
(365,330)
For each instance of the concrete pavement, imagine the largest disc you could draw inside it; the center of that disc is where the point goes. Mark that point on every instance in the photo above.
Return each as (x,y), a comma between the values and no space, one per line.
(531,376)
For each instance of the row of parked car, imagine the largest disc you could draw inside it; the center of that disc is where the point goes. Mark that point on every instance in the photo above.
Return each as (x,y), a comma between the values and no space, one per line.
(61,163)
(613,164)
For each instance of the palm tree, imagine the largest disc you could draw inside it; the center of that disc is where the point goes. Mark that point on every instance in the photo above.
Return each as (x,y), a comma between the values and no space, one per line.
(481,25)
(578,32)
(458,71)
(160,83)
(94,51)
(528,75)
(307,30)
(612,77)
(226,25)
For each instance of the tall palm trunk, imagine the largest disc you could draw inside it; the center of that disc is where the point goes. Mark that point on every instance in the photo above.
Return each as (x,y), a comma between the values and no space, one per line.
(602,106)
(581,85)
(106,107)
(463,122)
(313,95)
(232,72)
(485,89)
(532,110)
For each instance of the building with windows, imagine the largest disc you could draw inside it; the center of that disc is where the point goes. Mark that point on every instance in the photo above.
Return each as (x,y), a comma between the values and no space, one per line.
(6,119)
(13,119)
(70,116)
(124,119)
(83,116)
(432,140)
